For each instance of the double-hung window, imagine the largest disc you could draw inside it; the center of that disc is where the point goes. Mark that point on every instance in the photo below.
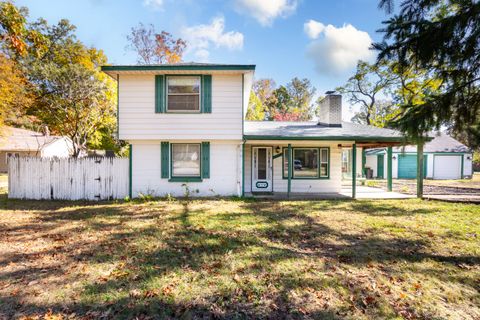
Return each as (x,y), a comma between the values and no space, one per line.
(307,163)
(183,93)
(186,159)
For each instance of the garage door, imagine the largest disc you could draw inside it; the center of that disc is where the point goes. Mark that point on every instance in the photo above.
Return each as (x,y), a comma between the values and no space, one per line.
(407,166)
(447,167)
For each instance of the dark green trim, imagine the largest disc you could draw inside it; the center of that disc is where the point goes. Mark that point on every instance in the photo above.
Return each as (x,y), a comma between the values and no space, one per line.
(165,159)
(205,160)
(318,177)
(354,171)
(172,177)
(278,156)
(461,172)
(380,165)
(420,170)
(160,94)
(324,138)
(389,169)
(289,155)
(230,67)
(364,161)
(206,93)
(130,170)
(185,179)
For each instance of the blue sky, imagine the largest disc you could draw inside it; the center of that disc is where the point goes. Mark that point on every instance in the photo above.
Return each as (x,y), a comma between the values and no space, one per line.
(317,39)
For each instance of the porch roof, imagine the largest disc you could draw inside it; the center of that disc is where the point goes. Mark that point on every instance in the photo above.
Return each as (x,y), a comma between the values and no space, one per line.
(310,130)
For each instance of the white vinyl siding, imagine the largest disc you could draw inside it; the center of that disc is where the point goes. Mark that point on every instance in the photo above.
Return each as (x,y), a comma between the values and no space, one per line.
(138,120)
(225,171)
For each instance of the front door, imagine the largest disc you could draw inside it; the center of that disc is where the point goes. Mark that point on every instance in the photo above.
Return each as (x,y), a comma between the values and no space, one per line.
(262,169)
(380,162)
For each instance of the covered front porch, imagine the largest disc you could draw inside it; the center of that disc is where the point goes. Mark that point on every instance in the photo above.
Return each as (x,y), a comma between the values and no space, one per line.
(299,165)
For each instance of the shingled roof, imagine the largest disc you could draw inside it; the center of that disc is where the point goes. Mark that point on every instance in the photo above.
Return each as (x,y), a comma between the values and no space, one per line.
(441,142)
(310,130)
(15,139)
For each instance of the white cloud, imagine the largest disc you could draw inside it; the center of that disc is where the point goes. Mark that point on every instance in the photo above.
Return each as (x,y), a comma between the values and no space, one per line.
(265,11)
(154,4)
(313,28)
(201,37)
(337,50)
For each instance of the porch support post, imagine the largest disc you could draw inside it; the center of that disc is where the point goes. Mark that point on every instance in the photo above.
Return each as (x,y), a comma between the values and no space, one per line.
(389,169)
(364,160)
(420,169)
(289,155)
(130,170)
(354,171)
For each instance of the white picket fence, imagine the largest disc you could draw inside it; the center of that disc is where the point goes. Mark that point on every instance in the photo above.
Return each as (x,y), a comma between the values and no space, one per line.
(68,178)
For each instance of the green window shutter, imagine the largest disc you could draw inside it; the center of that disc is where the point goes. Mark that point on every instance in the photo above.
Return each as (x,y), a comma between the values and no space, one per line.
(160,94)
(165,159)
(207,94)
(205,160)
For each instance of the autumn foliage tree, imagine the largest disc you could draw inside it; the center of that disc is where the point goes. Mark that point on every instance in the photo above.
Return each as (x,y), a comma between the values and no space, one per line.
(69,92)
(291,102)
(155,48)
(15,97)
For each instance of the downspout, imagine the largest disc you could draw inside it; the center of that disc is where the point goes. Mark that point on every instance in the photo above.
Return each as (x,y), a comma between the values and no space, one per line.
(130,169)
(354,171)
(243,168)
(289,154)
(243,135)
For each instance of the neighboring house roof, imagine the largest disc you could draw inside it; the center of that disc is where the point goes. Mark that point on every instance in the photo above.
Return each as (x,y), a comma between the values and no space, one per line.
(190,66)
(15,139)
(441,143)
(283,130)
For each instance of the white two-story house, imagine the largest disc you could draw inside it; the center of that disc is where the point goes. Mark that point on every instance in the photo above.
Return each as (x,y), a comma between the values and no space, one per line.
(187,134)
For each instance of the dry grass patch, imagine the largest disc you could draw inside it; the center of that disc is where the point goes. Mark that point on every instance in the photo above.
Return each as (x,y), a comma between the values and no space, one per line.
(240,259)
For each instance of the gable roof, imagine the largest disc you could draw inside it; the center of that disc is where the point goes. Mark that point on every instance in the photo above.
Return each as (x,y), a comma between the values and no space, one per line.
(177,67)
(441,142)
(311,130)
(16,139)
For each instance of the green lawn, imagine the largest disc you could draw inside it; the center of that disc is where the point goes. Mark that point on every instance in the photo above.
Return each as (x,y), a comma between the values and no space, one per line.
(234,258)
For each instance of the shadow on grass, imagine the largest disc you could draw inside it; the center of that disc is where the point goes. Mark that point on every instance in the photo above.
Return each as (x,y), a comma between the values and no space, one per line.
(287,233)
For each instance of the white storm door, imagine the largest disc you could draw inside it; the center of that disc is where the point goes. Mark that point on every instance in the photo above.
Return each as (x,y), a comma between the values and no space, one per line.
(262,169)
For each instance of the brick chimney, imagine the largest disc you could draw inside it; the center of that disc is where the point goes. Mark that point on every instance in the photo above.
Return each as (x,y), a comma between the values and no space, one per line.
(330,113)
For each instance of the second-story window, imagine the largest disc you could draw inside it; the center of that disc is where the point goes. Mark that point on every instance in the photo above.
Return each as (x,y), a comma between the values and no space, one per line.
(183,93)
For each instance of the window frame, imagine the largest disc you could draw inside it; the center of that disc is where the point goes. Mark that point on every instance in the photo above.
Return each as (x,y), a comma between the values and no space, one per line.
(199,77)
(319,162)
(176,177)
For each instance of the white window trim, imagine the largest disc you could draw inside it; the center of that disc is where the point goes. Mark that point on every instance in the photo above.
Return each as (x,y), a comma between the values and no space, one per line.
(184,94)
(199,159)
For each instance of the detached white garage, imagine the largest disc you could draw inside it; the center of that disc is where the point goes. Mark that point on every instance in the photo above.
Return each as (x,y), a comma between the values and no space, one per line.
(444,158)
